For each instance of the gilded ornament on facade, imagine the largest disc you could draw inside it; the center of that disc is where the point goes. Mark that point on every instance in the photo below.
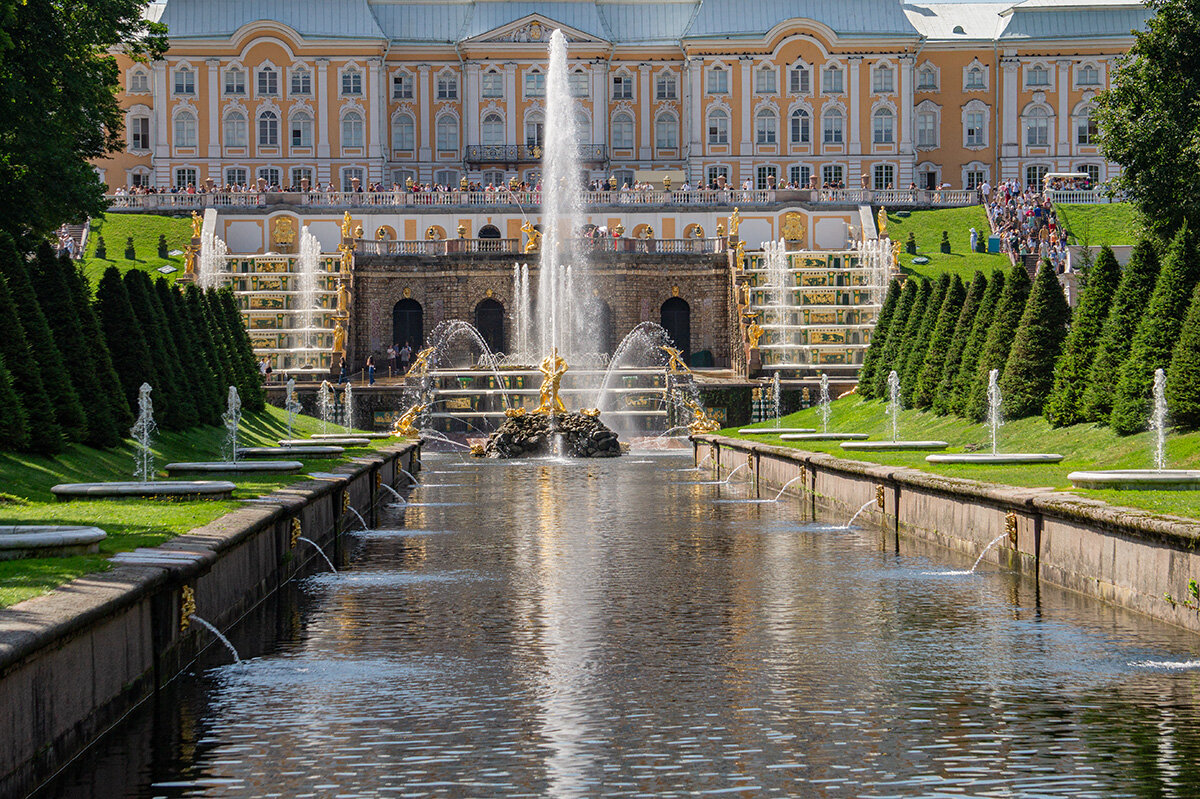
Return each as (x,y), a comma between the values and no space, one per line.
(793,227)
(339,337)
(187,607)
(435,233)
(297,530)
(197,224)
(283,233)
(754,332)
(1010,526)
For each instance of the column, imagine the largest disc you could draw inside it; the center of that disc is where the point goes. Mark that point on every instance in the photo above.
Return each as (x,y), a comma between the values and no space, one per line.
(375,96)
(853,114)
(1009,116)
(321,87)
(695,98)
(214,115)
(162,129)
(1063,123)
(470,107)
(745,149)
(905,94)
(425,114)
(645,124)
(510,100)
(599,103)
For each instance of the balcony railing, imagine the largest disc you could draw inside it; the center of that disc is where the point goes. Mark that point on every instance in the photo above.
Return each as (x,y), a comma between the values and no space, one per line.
(184,202)
(1082,196)
(942,197)
(525,153)
(710,246)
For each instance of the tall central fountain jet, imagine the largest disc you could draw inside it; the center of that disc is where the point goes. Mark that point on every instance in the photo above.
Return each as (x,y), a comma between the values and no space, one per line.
(563,296)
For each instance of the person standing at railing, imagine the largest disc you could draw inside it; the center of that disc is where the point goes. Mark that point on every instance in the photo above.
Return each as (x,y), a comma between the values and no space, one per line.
(370,370)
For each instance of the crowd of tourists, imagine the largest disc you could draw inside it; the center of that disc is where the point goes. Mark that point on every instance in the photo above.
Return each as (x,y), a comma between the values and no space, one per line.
(1024,220)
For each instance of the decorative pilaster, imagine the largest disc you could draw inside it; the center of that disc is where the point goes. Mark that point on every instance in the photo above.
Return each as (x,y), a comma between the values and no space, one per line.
(471,92)
(214,115)
(321,87)
(425,153)
(854,112)
(644,124)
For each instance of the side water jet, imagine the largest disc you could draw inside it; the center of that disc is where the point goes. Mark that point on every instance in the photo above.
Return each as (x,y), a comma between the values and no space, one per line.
(857,513)
(394,493)
(361,520)
(979,559)
(894,407)
(735,471)
(785,487)
(217,634)
(995,422)
(410,476)
(321,552)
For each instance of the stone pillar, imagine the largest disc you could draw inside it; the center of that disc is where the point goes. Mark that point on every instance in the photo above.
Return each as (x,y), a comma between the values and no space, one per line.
(510,100)
(321,128)
(599,103)
(1063,123)
(162,131)
(695,103)
(904,93)
(854,112)
(471,90)
(375,97)
(745,148)
(1010,116)
(645,124)
(425,114)
(214,113)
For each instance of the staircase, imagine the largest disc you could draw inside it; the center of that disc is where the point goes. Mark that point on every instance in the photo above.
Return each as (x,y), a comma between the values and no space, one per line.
(79,235)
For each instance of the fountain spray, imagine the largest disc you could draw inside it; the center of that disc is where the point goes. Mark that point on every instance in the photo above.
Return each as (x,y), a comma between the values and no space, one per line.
(142,431)
(348,407)
(233,419)
(291,405)
(1158,420)
(825,409)
(325,404)
(894,406)
(995,422)
(776,397)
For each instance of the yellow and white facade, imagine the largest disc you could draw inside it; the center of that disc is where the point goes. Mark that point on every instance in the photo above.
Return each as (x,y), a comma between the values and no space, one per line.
(774,91)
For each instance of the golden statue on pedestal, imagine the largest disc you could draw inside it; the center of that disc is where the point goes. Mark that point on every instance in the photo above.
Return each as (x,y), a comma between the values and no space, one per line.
(197,224)
(339,337)
(404,425)
(347,227)
(735,222)
(701,421)
(343,298)
(754,332)
(881,222)
(675,365)
(535,237)
(553,368)
(739,255)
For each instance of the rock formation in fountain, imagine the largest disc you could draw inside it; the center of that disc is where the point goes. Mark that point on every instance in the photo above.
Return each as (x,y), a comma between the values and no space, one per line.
(530,434)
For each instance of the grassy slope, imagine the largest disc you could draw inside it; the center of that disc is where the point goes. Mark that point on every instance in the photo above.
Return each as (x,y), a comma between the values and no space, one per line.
(1084,447)
(927,227)
(1103,223)
(129,523)
(145,229)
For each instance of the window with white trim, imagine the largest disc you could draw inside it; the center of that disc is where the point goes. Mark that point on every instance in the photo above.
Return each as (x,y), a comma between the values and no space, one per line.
(799,80)
(975,81)
(883,126)
(975,124)
(236,130)
(185,81)
(352,82)
(268,129)
(235,176)
(831,173)
(270,175)
(577,82)
(800,175)
(1037,75)
(666,86)
(832,80)
(883,177)
(301,83)
(801,128)
(491,130)
(404,132)
(718,126)
(302,129)
(716,172)
(352,130)
(301,174)
(184,177)
(622,131)
(975,179)
(535,129)
(402,86)
(349,175)
(927,79)
(491,85)
(666,132)
(138,133)
(765,79)
(1087,75)
(447,132)
(1035,175)
(768,177)
(622,87)
(1086,131)
(1037,127)
(927,129)
(139,81)
(447,86)
(766,126)
(185,129)
(268,83)
(1092,171)
(535,84)
(718,81)
(235,82)
(832,126)
(883,80)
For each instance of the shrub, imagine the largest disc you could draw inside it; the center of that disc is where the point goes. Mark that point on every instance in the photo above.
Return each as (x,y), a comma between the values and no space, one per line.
(945,245)
(130,253)
(914,358)
(45,436)
(123,334)
(944,392)
(1029,369)
(89,323)
(101,250)
(887,359)
(173,405)
(14,424)
(999,338)
(1183,378)
(162,246)
(912,332)
(968,366)
(878,339)
(910,246)
(933,367)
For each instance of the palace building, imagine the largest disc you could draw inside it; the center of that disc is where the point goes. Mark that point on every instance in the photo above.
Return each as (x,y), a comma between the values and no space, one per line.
(777,92)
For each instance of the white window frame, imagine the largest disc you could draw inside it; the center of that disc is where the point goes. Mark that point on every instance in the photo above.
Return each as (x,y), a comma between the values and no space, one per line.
(800,127)
(766,79)
(579,83)
(187,74)
(138,119)
(833,79)
(883,79)
(300,80)
(766,127)
(666,131)
(233,82)
(1037,69)
(716,81)
(262,128)
(266,81)
(300,129)
(403,123)
(935,78)
(351,81)
(447,86)
(1038,126)
(984,76)
(139,81)
(883,176)
(716,126)
(800,79)
(235,129)
(491,85)
(833,126)
(623,131)
(487,130)
(406,89)
(666,86)
(535,83)
(622,86)
(976,107)
(353,130)
(182,134)
(927,127)
(446,133)
(1084,68)
(883,125)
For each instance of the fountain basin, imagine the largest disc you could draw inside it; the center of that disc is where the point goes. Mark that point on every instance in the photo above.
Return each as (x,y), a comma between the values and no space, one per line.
(155,489)
(48,540)
(356,434)
(231,466)
(999,458)
(774,431)
(305,451)
(824,437)
(1138,479)
(338,441)
(895,446)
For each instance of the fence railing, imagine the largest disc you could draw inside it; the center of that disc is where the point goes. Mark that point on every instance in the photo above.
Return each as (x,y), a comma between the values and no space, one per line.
(185,202)
(709,246)
(1081,196)
(942,197)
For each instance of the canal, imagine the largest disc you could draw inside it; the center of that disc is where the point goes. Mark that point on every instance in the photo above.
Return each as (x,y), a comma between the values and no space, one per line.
(627,628)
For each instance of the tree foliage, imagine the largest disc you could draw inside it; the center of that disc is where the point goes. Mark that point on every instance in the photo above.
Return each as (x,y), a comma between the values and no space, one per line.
(1029,368)
(1183,378)
(123,334)
(967,368)
(944,392)
(914,356)
(1009,311)
(912,331)
(934,365)
(866,387)
(887,359)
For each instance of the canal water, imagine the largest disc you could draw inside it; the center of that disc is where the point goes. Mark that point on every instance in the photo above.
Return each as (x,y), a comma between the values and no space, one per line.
(608,628)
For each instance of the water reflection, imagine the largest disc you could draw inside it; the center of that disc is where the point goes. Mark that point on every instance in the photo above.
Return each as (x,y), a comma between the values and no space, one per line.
(606,628)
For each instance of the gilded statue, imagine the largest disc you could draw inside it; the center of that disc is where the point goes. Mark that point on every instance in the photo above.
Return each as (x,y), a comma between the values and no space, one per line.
(675,365)
(478,451)
(739,255)
(754,332)
(339,337)
(896,255)
(744,295)
(405,425)
(283,233)
(343,298)
(793,227)
(512,413)
(534,243)
(197,224)
(553,368)
(347,227)
(593,412)
(420,364)
(735,222)
(702,422)
(347,260)
(881,222)
(189,259)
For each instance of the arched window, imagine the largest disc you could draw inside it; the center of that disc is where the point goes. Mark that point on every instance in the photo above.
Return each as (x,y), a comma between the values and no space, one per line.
(666,132)
(185,129)
(883,126)
(447,132)
(1037,127)
(833,124)
(492,130)
(352,130)
(1088,76)
(718,80)
(185,81)
(622,132)
(765,79)
(492,84)
(801,132)
(403,132)
(408,323)
(235,82)
(301,82)
(268,82)
(975,80)
(583,127)
(1086,132)
(268,129)
(236,134)
(139,81)
(1037,75)
(766,126)
(926,79)
(718,126)
(302,129)
(883,81)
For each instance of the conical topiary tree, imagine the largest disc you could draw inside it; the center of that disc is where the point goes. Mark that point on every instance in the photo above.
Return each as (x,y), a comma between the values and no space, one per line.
(1183,378)
(123,334)
(254,398)
(866,387)
(14,424)
(887,358)
(1064,406)
(999,338)
(64,406)
(914,358)
(198,372)
(1128,305)
(108,382)
(1156,335)
(944,391)
(933,369)
(173,406)
(912,331)
(45,435)
(197,307)
(969,365)
(1029,370)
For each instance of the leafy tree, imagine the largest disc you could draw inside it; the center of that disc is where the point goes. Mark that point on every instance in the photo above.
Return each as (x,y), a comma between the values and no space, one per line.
(1064,406)
(914,357)
(878,340)
(64,405)
(891,347)
(109,384)
(944,392)
(1128,305)
(969,364)
(999,338)
(912,332)
(1150,119)
(173,405)
(123,334)
(1029,369)
(14,424)
(1183,378)
(1156,335)
(934,366)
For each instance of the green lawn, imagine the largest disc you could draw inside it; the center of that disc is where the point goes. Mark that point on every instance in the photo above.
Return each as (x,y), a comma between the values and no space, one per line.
(145,229)
(1084,447)
(927,227)
(1103,223)
(27,480)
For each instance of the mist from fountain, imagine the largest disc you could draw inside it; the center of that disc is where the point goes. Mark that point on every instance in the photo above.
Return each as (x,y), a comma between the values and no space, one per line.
(325,404)
(776,398)
(1158,419)
(291,405)
(894,407)
(233,420)
(212,260)
(143,433)
(309,262)
(995,420)
(825,408)
(348,407)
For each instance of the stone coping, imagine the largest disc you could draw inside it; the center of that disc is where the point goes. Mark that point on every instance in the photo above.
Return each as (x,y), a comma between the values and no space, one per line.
(774,431)
(48,540)
(824,437)
(1138,479)
(338,441)
(1174,530)
(999,458)
(894,446)
(310,451)
(232,466)
(157,489)
(355,434)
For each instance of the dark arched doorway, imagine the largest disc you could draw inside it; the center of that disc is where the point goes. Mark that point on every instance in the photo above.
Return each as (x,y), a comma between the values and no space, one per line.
(677,321)
(489,232)
(489,321)
(408,323)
